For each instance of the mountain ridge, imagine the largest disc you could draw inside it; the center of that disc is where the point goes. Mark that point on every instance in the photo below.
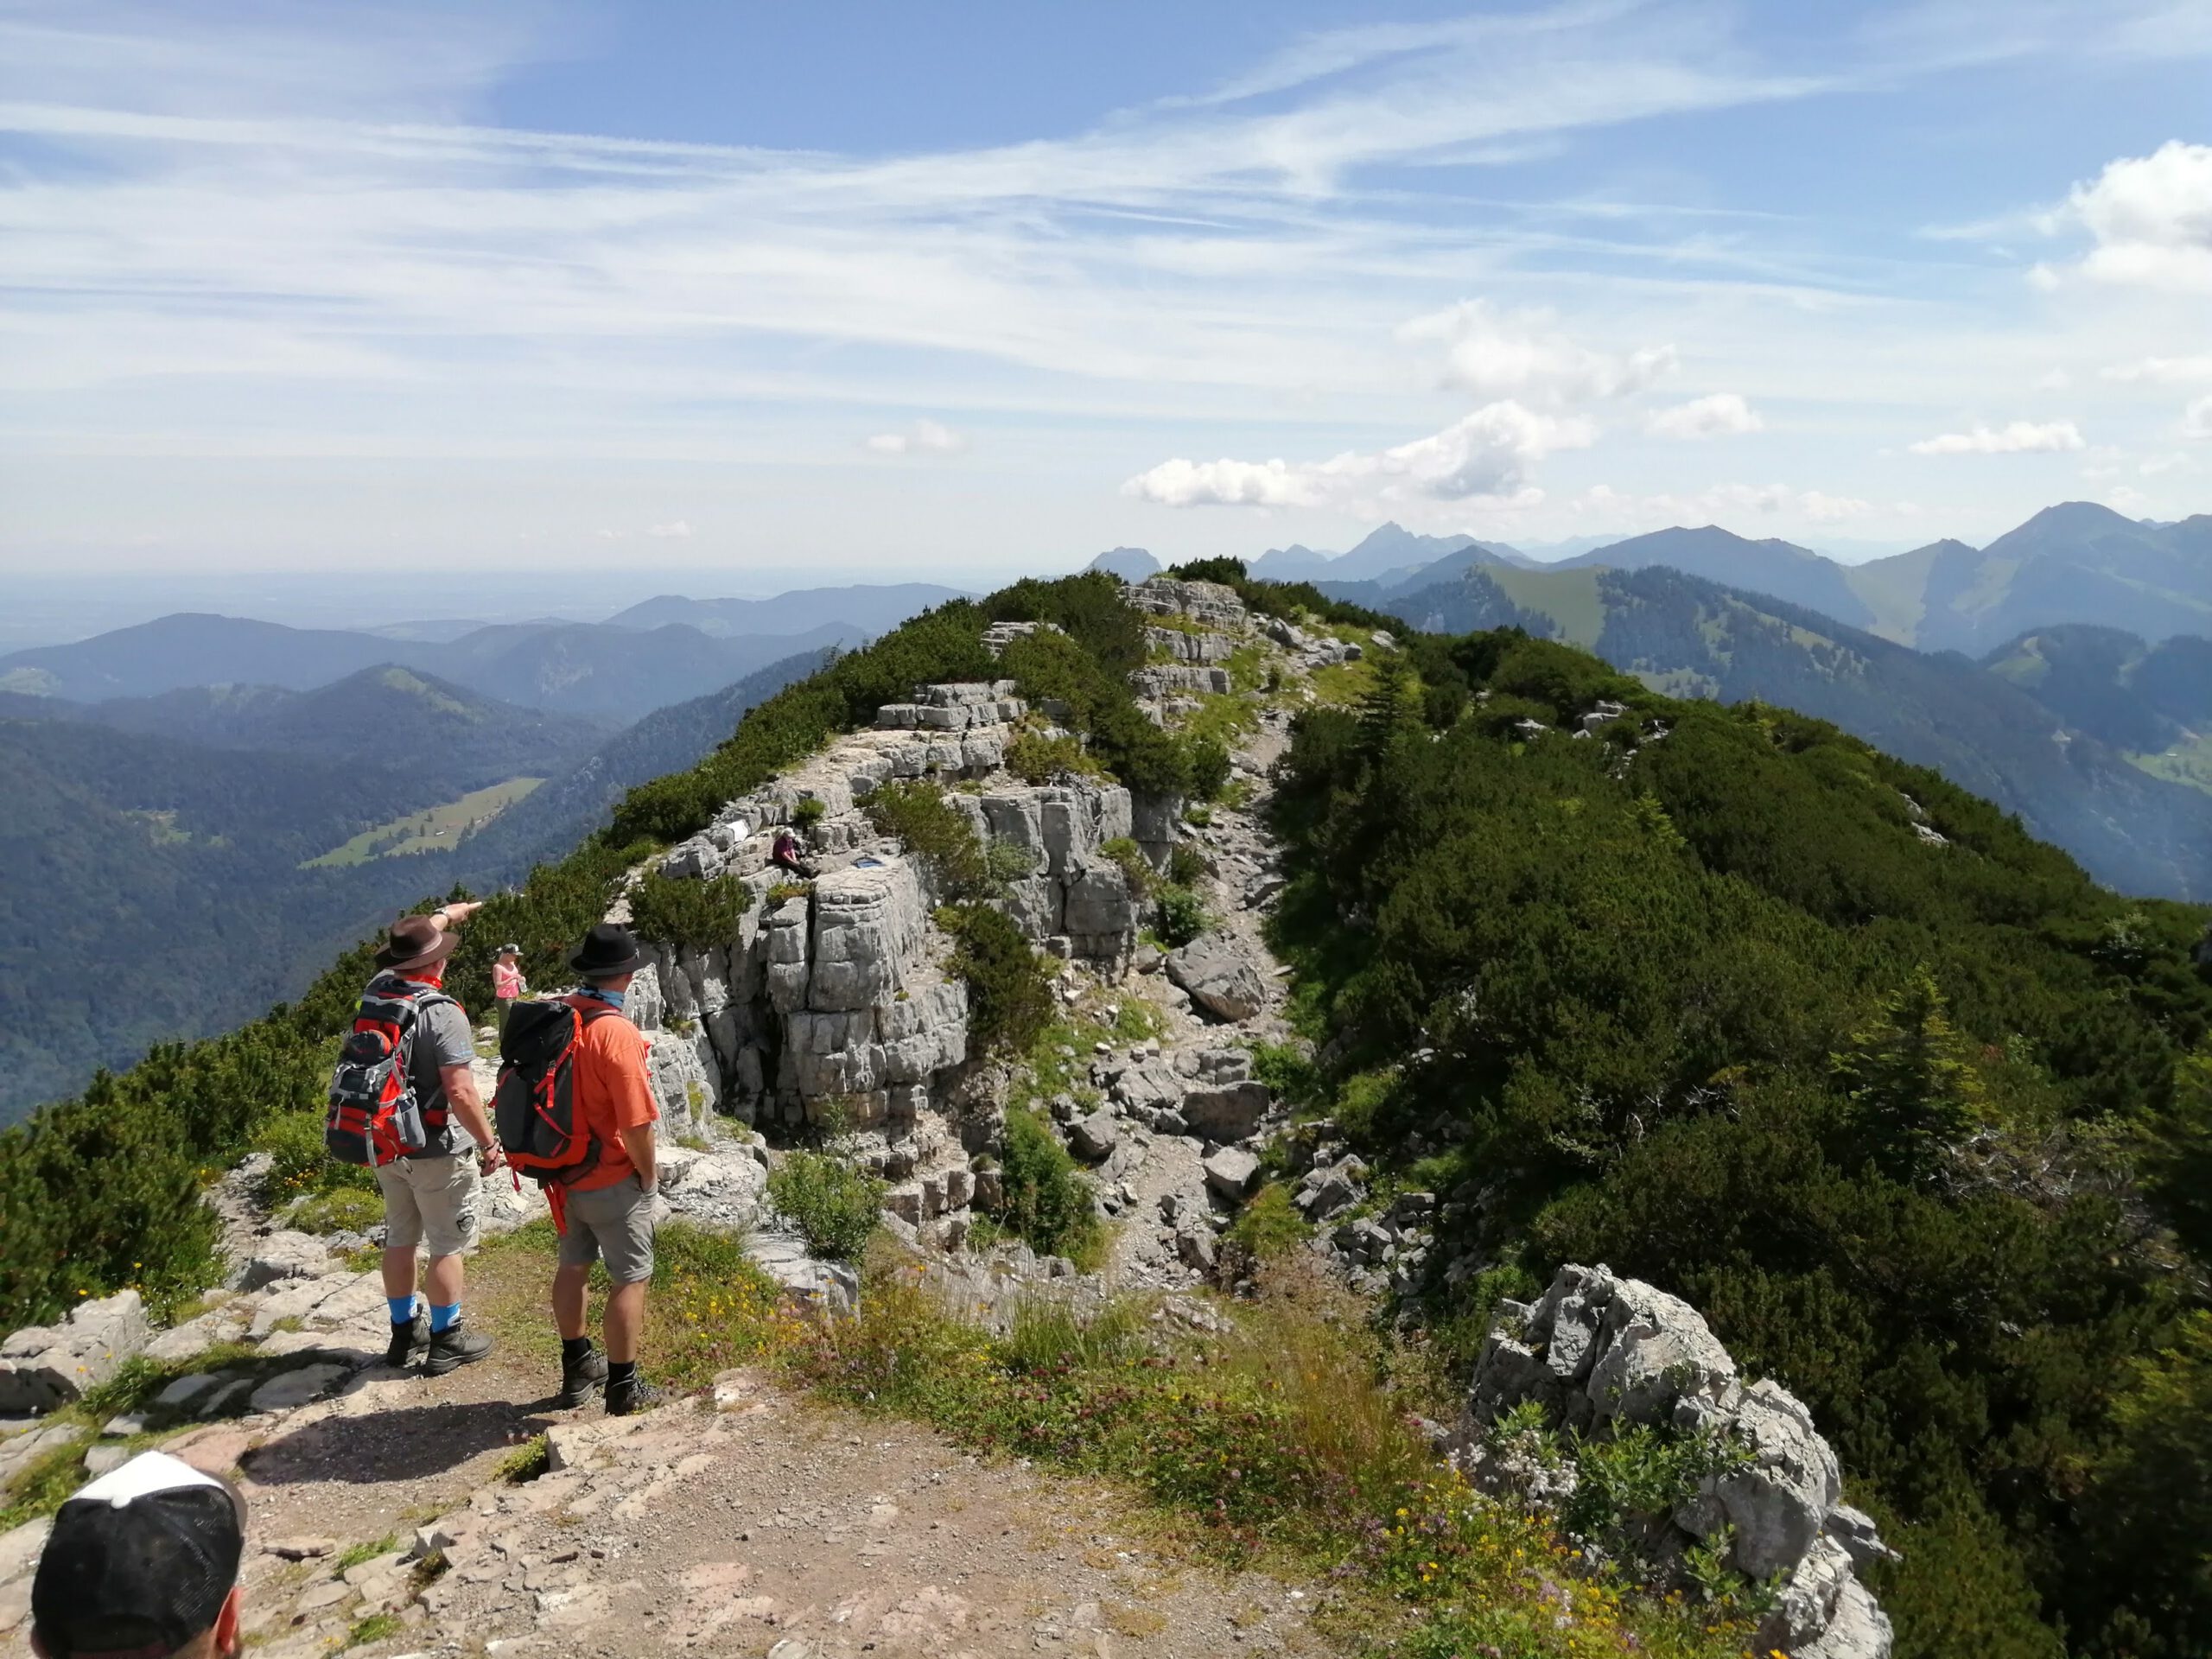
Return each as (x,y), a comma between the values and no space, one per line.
(587,670)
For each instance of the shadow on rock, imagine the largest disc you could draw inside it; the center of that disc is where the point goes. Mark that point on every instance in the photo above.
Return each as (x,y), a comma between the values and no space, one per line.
(405,1443)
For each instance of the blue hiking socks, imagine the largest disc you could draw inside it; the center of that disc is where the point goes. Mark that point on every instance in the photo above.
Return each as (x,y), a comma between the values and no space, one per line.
(444,1318)
(402,1309)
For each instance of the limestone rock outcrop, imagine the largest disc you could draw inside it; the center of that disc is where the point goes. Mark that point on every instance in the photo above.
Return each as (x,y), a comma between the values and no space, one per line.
(43,1366)
(1209,603)
(1598,1351)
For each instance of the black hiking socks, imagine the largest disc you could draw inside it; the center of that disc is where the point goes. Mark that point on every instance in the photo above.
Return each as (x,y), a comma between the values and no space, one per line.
(406,1337)
(453,1347)
(627,1392)
(583,1368)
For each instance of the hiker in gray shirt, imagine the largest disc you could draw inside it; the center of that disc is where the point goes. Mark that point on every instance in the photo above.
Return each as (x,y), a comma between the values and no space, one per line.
(431,1197)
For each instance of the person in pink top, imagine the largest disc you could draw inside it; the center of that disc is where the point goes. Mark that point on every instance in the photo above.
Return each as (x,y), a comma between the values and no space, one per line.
(507,982)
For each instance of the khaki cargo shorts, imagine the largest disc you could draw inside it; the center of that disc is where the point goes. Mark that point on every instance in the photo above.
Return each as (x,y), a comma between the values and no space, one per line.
(614,1223)
(430,1202)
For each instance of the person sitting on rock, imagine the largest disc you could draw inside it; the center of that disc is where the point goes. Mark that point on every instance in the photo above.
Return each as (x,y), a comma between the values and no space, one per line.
(785,854)
(608,1214)
(142,1561)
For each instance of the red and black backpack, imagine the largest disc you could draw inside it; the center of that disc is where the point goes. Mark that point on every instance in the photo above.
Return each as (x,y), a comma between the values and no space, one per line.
(541,1131)
(374,1115)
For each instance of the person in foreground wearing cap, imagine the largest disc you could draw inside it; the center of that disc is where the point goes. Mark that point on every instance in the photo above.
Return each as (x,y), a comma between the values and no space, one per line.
(431,1197)
(144,1562)
(610,1211)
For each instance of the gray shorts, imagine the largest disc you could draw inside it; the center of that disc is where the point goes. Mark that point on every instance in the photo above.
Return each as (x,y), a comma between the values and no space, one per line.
(614,1222)
(430,1202)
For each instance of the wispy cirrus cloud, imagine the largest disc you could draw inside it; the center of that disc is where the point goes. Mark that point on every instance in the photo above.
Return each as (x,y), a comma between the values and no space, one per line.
(244,233)
(923,437)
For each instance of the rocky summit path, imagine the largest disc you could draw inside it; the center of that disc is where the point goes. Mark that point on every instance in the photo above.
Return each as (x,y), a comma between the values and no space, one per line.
(753,1521)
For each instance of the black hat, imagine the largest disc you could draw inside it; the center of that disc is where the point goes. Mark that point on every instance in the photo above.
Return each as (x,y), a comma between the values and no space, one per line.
(416,942)
(139,1561)
(608,949)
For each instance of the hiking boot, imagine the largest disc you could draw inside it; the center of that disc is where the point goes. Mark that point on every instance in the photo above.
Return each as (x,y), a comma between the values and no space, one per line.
(453,1347)
(632,1393)
(581,1378)
(406,1337)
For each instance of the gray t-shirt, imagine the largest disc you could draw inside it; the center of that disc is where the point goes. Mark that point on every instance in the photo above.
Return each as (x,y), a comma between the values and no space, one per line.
(442,1039)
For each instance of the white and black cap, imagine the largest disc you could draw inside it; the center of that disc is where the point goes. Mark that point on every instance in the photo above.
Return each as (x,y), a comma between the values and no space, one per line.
(139,1562)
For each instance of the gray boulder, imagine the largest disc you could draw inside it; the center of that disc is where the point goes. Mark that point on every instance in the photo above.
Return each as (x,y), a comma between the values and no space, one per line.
(1228,1113)
(1653,1350)
(1220,978)
(1855,1530)
(1232,1171)
(1095,1137)
(1777,1504)
(1330,1190)
(1858,1628)
(45,1366)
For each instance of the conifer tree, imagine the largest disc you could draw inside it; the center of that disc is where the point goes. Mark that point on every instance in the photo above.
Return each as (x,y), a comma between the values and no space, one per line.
(1917,1095)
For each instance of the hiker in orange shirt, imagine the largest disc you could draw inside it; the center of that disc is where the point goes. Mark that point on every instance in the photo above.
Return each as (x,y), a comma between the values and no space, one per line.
(609,1211)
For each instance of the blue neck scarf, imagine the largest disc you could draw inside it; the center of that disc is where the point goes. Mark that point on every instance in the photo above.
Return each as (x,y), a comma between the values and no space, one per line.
(613,998)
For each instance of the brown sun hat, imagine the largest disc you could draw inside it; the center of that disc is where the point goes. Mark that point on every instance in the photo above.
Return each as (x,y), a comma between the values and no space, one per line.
(416,942)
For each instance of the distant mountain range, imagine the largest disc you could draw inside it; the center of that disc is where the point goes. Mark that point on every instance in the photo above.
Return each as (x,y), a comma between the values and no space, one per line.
(2089,787)
(872,609)
(1129,564)
(2077,562)
(452,738)
(1388,553)
(596,671)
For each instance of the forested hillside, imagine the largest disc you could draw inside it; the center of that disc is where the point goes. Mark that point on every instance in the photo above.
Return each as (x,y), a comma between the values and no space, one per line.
(2136,828)
(1913,1112)
(1918,1116)
(152,890)
(386,716)
(159,879)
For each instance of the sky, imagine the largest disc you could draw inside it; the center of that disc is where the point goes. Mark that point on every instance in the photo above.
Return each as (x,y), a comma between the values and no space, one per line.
(767,295)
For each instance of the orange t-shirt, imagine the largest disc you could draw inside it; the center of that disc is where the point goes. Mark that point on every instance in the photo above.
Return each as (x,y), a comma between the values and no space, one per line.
(614,1092)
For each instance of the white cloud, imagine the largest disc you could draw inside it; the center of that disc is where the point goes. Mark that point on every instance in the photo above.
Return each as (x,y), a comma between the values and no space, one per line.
(2054,380)
(676,530)
(1522,354)
(924,438)
(2020,437)
(2151,217)
(1484,457)
(234,233)
(2163,370)
(2153,464)
(1724,413)
(2196,419)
